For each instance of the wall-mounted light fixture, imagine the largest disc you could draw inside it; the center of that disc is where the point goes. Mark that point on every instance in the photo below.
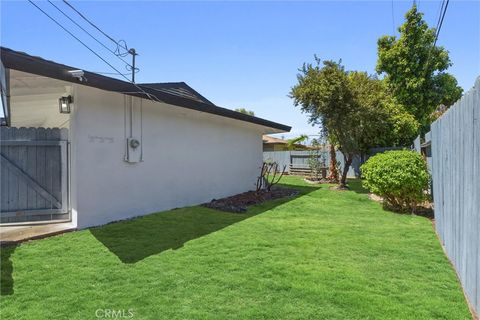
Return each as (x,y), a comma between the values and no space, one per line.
(64,104)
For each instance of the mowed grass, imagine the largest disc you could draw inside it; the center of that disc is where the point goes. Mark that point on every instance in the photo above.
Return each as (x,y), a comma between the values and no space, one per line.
(322,255)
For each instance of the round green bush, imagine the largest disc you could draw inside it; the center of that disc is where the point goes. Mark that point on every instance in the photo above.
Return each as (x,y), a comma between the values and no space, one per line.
(400,177)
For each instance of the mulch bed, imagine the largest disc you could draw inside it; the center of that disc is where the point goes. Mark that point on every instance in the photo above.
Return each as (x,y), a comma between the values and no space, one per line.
(424,209)
(239,203)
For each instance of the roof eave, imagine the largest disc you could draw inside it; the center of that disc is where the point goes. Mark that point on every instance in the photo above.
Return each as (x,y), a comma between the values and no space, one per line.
(23,62)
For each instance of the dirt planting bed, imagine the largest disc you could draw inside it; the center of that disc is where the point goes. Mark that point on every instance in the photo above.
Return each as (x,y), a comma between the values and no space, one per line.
(239,203)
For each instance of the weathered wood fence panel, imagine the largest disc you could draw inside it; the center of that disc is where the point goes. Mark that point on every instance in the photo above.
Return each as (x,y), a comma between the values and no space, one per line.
(301,159)
(34,174)
(455,167)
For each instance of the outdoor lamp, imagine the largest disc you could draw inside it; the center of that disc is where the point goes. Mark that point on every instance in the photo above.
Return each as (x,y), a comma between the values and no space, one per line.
(64,104)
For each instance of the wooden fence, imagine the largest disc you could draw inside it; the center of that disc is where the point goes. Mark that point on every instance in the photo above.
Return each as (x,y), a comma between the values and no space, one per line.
(455,167)
(300,159)
(33,175)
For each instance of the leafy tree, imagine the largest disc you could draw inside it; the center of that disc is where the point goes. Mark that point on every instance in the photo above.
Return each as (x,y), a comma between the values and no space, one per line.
(414,68)
(354,110)
(441,109)
(448,89)
(382,121)
(245,111)
(292,142)
(324,93)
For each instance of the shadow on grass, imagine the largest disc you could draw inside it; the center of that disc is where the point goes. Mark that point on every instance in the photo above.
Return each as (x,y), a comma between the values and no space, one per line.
(356,186)
(6,270)
(134,240)
(422,211)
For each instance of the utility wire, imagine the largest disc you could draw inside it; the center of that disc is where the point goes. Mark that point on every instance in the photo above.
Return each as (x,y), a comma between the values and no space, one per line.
(150,96)
(91,36)
(71,34)
(443,10)
(439,15)
(108,73)
(441,22)
(120,44)
(124,46)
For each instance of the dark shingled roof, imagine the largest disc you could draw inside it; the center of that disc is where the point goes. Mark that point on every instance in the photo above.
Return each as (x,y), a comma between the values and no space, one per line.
(180,89)
(177,94)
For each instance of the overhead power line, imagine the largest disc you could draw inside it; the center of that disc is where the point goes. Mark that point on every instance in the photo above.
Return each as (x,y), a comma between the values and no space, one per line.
(442,4)
(108,73)
(120,44)
(441,22)
(76,38)
(140,90)
(91,36)
(441,16)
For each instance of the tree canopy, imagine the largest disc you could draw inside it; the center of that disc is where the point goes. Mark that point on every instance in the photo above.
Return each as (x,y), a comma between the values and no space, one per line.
(294,141)
(354,109)
(245,111)
(414,68)
(382,121)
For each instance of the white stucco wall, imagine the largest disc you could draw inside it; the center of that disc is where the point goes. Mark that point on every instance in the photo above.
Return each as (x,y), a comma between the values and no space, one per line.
(189,157)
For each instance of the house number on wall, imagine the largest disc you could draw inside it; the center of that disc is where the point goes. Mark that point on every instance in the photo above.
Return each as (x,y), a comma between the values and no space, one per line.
(97,139)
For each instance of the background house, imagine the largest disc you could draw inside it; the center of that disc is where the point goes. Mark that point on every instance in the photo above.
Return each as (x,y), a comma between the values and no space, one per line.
(96,149)
(276,144)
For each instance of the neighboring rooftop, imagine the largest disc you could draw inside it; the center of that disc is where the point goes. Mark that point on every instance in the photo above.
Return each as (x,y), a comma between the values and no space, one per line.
(269,140)
(180,89)
(177,94)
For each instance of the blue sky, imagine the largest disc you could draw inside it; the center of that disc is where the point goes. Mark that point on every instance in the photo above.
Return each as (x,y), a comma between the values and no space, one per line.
(239,54)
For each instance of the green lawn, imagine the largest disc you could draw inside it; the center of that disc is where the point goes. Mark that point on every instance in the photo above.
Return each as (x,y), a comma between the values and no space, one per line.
(322,255)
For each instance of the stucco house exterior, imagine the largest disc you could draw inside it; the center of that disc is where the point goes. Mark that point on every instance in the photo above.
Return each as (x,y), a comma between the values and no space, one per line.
(124,149)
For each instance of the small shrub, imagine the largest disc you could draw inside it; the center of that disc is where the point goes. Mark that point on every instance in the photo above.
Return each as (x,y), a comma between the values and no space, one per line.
(268,176)
(317,161)
(400,177)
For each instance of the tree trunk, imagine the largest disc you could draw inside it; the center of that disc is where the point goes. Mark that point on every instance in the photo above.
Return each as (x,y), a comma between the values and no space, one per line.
(333,175)
(348,158)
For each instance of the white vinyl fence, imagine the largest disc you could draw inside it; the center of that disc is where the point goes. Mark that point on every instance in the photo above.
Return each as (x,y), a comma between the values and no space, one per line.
(455,167)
